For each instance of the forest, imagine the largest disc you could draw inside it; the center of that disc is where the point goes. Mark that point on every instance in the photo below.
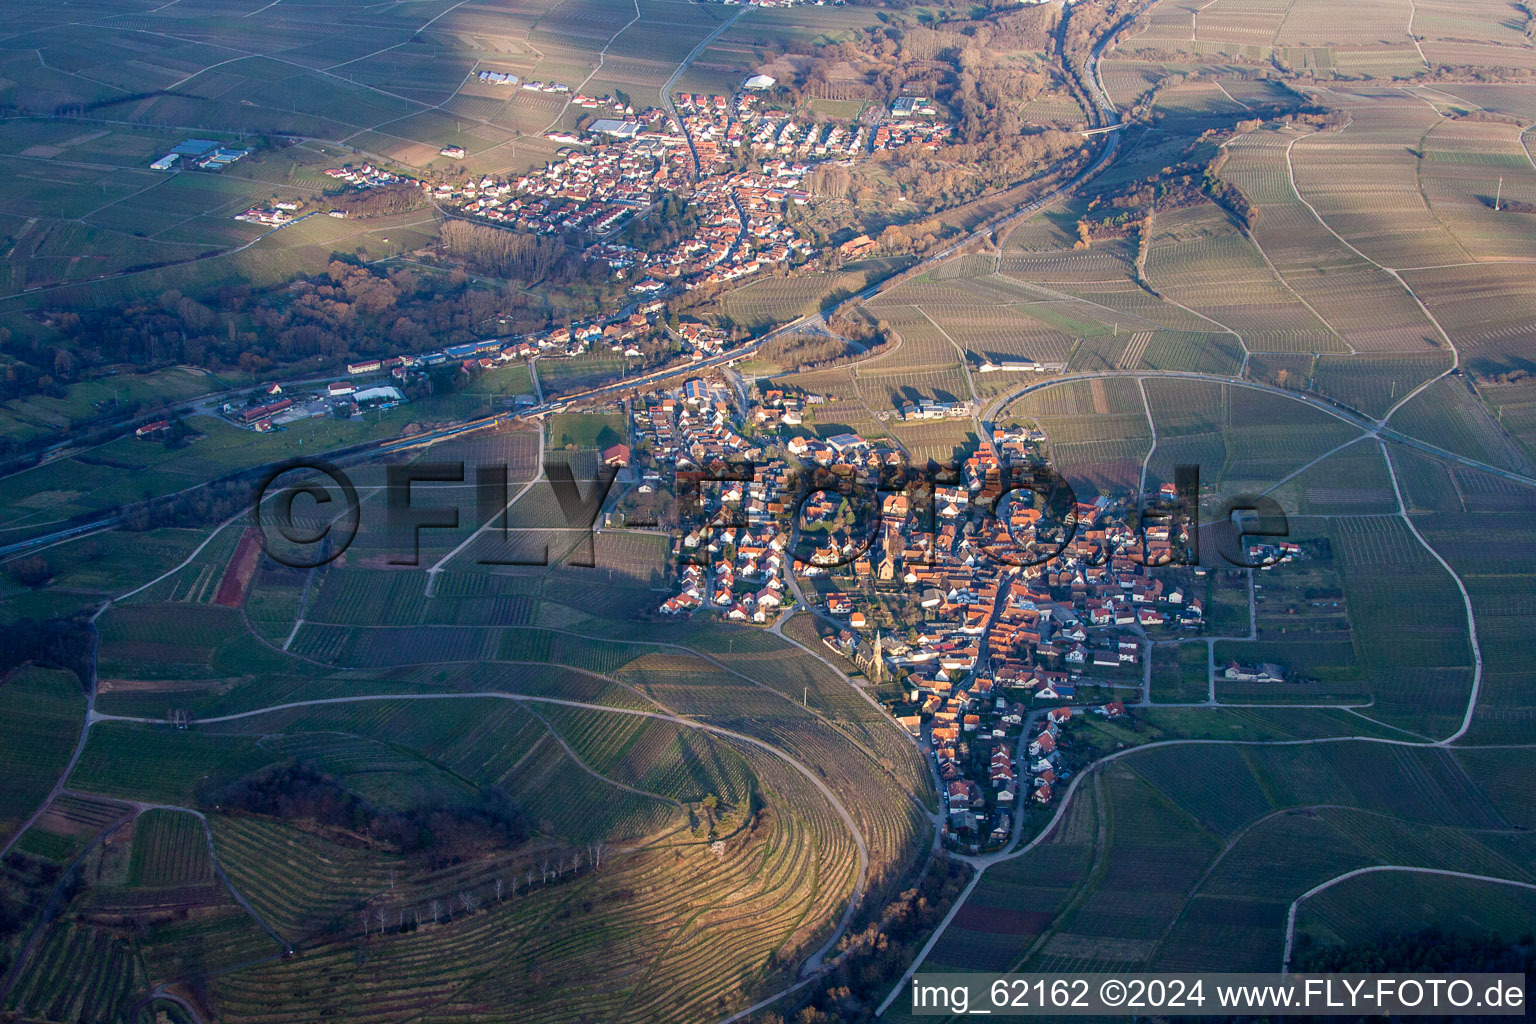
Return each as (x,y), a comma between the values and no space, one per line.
(440,834)
(352,311)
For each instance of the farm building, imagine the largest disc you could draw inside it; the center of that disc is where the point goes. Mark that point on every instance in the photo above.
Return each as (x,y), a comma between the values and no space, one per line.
(195,147)
(757,83)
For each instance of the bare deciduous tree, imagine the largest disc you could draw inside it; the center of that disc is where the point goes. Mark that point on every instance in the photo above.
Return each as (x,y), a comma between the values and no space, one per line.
(469,901)
(497,887)
(436,908)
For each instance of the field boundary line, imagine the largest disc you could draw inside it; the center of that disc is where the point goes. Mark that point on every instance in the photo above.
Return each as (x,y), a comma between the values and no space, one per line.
(571,753)
(1290,170)
(1413,13)
(394,46)
(1477,652)
(1146,405)
(437,567)
(1254,241)
(964,365)
(1334,408)
(853,741)
(1242,833)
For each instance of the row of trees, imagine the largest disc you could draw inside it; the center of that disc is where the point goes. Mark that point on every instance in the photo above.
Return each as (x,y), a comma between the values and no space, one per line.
(52,643)
(553,866)
(1429,951)
(517,256)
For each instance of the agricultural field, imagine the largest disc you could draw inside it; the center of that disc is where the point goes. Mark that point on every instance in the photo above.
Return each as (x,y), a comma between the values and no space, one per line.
(759,305)
(1180,673)
(394,788)
(586,430)
(1368,907)
(43,709)
(1187,859)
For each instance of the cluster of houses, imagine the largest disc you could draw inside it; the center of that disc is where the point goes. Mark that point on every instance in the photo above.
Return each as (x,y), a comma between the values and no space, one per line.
(609,172)
(274,214)
(992,634)
(364,177)
(732,554)
(968,739)
(779,3)
(958,558)
(722,126)
(988,765)
(778,408)
(691,428)
(612,173)
(279,213)
(740,576)
(593,188)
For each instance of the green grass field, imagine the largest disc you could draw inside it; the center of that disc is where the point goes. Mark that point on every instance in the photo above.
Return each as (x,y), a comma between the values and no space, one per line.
(586,430)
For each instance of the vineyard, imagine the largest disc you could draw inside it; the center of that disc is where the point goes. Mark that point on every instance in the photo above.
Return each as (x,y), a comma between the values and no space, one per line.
(79,973)
(1409,638)
(42,709)
(169,848)
(510,787)
(1186,859)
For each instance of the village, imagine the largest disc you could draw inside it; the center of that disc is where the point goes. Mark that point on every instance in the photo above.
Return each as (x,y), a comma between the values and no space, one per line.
(991,628)
(739,161)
